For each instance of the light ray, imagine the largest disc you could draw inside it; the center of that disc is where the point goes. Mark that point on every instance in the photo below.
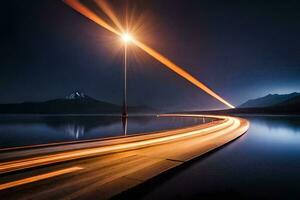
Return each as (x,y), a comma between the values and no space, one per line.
(162,59)
(179,71)
(109,12)
(79,7)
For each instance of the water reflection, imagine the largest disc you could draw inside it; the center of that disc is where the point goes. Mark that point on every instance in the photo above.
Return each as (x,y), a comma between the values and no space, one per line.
(264,163)
(124,124)
(18,130)
(283,129)
(74,130)
(278,122)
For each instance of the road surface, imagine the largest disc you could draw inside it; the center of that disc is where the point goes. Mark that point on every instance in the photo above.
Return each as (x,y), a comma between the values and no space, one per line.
(104,168)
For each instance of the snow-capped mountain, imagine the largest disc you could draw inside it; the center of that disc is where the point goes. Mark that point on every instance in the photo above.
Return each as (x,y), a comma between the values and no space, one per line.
(80,96)
(76,95)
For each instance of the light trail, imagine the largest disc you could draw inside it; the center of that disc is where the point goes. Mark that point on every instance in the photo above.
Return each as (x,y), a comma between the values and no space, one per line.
(158,56)
(226,126)
(39,177)
(106,172)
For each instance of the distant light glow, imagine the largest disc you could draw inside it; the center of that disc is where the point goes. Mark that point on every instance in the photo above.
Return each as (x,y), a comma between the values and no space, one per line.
(126,37)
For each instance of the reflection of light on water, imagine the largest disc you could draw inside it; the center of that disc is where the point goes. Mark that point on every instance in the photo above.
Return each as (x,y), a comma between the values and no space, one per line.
(124,124)
(275,130)
(27,130)
(74,130)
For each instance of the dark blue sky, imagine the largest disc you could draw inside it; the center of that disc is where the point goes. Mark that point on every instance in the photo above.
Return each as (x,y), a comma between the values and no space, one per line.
(241,49)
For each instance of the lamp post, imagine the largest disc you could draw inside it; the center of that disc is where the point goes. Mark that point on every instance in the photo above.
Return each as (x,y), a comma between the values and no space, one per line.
(126,39)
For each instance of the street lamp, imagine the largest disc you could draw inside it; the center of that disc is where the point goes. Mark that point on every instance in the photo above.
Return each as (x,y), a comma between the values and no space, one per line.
(126,39)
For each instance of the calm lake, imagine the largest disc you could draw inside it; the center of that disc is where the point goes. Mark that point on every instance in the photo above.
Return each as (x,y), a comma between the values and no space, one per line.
(20,130)
(264,163)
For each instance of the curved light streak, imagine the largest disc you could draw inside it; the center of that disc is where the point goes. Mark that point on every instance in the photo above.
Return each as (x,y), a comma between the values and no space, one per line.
(227,126)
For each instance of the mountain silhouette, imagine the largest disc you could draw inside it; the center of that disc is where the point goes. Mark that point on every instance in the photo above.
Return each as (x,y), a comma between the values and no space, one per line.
(269,100)
(286,104)
(75,103)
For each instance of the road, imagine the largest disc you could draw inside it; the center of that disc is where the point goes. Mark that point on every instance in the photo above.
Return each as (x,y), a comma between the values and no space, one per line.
(102,169)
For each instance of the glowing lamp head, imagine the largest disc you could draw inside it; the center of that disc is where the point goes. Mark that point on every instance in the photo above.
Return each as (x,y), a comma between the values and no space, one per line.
(126,38)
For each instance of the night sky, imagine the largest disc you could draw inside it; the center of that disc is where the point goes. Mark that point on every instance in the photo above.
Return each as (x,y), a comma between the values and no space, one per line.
(240,49)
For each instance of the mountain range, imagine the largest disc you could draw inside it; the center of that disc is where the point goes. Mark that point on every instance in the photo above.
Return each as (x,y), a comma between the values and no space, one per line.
(270,100)
(75,103)
(277,104)
(80,103)
(272,104)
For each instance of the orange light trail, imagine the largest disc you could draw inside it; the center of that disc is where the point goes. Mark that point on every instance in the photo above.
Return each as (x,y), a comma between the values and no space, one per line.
(75,4)
(38,177)
(225,126)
